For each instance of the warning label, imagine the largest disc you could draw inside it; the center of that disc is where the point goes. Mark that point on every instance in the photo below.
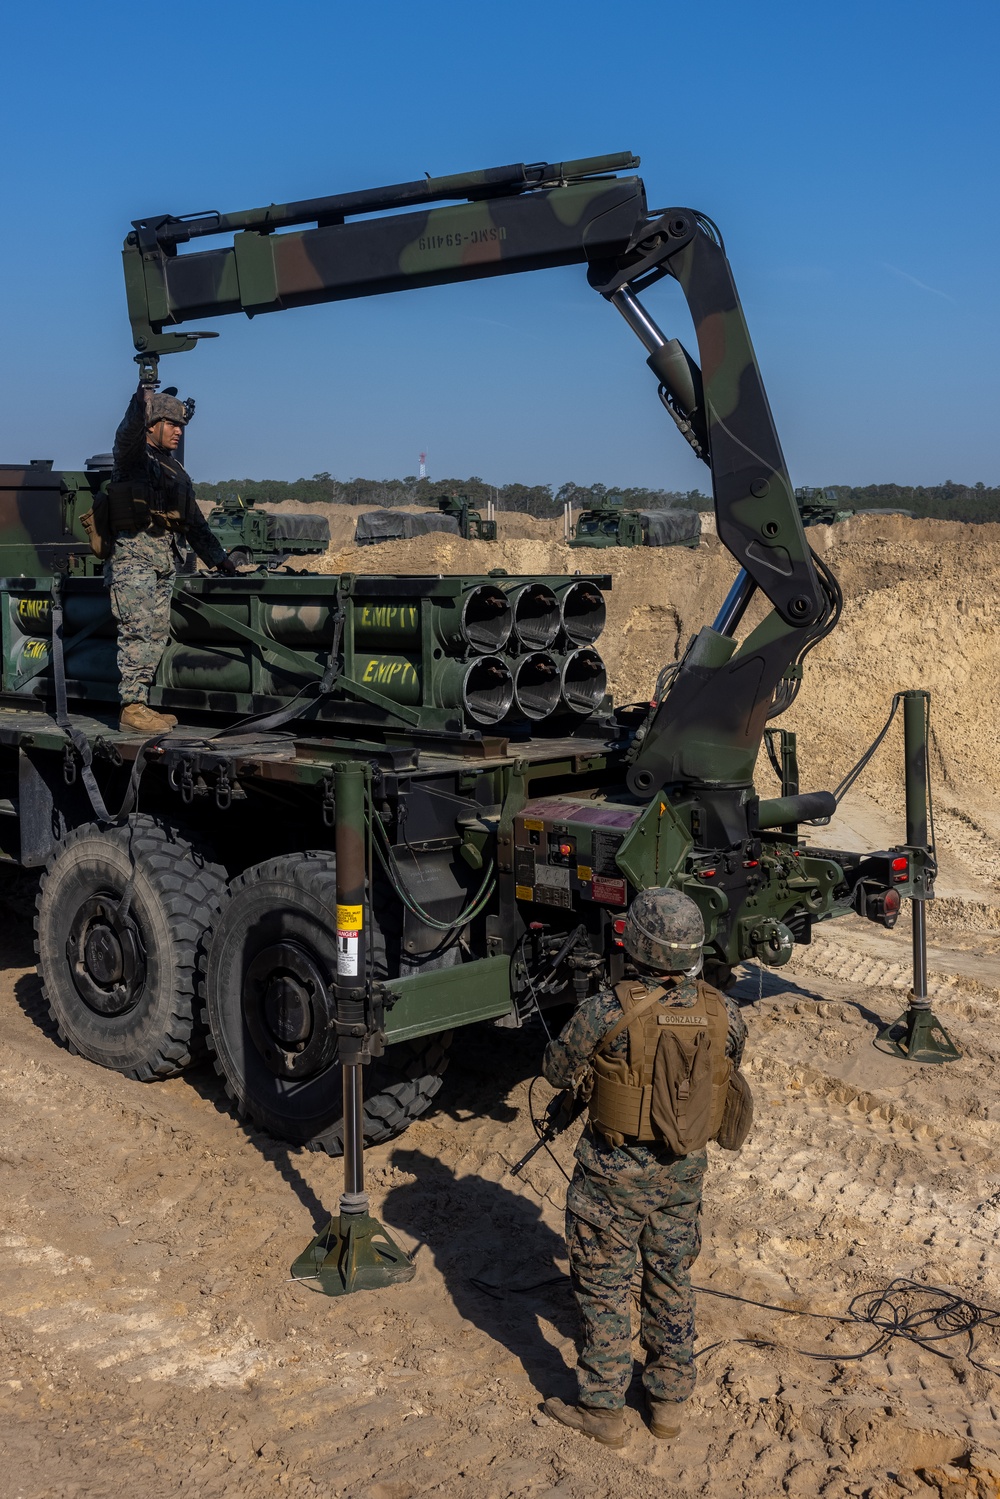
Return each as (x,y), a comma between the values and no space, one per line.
(348,944)
(609,892)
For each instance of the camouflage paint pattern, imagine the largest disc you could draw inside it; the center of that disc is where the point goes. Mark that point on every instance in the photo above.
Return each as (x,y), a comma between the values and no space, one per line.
(758,518)
(140,575)
(627,1200)
(559,221)
(40,530)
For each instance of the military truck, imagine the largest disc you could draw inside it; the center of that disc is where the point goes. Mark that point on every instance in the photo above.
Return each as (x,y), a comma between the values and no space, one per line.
(454,515)
(256,537)
(818,507)
(612,525)
(395,805)
(472,525)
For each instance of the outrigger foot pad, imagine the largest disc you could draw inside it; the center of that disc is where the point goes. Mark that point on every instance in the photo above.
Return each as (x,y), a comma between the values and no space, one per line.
(918,1036)
(353,1253)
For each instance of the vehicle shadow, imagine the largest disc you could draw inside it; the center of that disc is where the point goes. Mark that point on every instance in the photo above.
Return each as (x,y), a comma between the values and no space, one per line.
(30,999)
(498,1259)
(203,1078)
(200,1076)
(488,1062)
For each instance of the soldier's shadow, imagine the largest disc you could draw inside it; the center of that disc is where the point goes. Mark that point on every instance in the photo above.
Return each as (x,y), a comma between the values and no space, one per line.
(504,1267)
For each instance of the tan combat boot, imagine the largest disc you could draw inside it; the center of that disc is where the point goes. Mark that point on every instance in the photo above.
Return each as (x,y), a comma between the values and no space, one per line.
(664,1418)
(605,1426)
(138,718)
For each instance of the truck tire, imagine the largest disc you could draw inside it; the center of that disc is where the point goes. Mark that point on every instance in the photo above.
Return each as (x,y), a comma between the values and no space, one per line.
(271,962)
(120,986)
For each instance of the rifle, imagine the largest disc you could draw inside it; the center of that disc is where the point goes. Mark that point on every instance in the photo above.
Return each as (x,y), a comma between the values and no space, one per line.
(560,1112)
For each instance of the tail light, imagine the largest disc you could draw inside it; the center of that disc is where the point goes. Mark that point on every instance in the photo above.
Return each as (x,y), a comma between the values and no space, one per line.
(882,906)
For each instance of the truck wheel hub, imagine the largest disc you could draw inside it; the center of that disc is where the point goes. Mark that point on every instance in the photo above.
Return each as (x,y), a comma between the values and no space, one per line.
(106,958)
(286,1010)
(289,1011)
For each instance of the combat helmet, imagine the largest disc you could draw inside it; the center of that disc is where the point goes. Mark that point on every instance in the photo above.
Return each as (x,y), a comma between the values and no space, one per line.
(664,930)
(165,407)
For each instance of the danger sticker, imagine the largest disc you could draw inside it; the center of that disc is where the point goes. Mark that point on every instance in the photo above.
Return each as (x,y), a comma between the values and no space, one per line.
(348,944)
(610,892)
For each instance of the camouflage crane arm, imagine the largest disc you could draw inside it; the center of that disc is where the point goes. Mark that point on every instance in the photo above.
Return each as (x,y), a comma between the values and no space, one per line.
(524,218)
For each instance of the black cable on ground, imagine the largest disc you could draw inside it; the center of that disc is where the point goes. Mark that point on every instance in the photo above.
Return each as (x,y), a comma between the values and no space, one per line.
(922,1314)
(926,1315)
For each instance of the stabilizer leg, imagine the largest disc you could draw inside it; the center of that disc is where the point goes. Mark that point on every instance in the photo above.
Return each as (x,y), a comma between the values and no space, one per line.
(353,1252)
(918,1035)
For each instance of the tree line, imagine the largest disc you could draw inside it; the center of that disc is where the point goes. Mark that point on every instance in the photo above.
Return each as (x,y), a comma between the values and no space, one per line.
(947,501)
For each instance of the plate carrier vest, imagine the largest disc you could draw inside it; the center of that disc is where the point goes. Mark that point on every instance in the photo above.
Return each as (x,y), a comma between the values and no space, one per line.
(672,1089)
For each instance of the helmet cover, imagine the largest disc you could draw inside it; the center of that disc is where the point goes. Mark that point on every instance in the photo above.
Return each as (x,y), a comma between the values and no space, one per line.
(664,930)
(166,408)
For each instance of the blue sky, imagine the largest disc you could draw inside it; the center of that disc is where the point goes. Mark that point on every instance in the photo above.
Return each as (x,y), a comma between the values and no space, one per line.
(848,153)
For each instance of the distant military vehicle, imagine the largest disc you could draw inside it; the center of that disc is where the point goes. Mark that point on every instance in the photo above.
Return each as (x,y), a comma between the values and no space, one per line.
(471,523)
(454,514)
(258,536)
(818,507)
(611,525)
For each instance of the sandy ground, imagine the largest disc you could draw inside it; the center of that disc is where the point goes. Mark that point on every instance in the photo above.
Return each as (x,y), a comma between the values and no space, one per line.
(150,1338)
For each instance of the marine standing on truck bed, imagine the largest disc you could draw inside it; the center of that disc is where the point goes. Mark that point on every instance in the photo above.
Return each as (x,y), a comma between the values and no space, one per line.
(151,506)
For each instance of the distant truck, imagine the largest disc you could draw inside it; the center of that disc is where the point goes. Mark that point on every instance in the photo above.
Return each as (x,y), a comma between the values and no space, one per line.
(471,523)
(818,507)
(611,525)
(454,515)
(253,536)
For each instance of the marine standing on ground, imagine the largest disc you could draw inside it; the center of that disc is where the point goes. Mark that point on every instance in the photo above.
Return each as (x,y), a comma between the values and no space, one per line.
(152,508)
(631,1190)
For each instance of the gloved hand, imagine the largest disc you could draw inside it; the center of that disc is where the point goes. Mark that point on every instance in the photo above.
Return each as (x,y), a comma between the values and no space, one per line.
(227,567)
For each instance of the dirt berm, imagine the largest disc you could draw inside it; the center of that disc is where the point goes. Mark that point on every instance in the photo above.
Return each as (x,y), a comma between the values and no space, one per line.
(152,1343)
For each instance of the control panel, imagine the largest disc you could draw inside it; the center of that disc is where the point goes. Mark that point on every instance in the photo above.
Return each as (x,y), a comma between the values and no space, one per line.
(565,851)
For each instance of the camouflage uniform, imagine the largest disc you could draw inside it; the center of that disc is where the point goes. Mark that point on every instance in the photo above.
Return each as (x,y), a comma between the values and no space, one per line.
(143,565)
(624,1198)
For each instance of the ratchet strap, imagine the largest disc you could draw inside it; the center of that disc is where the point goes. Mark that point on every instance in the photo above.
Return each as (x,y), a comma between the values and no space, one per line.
(296,707)
(78,740)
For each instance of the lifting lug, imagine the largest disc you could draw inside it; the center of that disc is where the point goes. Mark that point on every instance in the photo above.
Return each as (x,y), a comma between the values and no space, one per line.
(105,750)
(223,790)
(180,778)
(329,802)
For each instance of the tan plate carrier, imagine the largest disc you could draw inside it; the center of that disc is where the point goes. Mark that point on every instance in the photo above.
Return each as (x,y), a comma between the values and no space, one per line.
(677,1084)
